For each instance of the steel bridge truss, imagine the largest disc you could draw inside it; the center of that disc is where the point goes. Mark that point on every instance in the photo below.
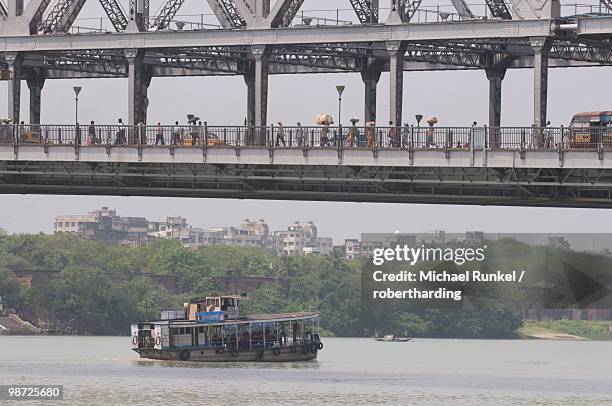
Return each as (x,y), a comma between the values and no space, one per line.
(286,14)
(115,14)
(166,14)
(306,58)
(227,13)
(499,9)
(366,11)
(409,9)
(61,16)
(103,63)
(483,186)
(3,10)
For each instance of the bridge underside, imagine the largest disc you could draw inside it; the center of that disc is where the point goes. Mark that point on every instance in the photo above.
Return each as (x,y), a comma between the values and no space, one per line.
(552,187)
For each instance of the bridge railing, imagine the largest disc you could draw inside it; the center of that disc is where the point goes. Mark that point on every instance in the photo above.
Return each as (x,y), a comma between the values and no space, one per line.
(331,137)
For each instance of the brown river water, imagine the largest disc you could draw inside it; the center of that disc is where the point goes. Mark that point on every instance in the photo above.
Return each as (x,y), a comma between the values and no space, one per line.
(349,371)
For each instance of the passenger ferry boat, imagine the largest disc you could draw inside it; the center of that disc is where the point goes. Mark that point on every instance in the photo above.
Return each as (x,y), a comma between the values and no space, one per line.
(215,330)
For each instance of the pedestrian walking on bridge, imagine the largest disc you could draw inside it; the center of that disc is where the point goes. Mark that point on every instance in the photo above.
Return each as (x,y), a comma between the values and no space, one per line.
(280,134)
(299,135)
(91,134)
(430,133)
(159,134)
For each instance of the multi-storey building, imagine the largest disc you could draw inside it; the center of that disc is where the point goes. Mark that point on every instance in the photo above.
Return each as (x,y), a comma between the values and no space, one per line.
(558,243)
(106,226)
(172,227)
(301,239)
(256,228)
(474,238)
(352,248)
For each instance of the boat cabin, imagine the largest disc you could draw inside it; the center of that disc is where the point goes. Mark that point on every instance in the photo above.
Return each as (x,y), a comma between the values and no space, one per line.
(214,309)
(253,332)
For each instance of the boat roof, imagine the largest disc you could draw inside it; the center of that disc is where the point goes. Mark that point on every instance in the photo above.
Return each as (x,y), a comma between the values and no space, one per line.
(272,317)
(281,316)
(199,300)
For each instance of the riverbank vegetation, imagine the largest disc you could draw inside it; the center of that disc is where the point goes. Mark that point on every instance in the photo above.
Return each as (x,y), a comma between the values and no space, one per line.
(588,329)
(103,288)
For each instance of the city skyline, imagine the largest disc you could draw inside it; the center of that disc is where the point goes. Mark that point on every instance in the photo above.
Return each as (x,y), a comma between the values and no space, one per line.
(33,214)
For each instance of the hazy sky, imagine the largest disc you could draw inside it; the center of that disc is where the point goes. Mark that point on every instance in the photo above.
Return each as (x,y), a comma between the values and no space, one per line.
(456,98)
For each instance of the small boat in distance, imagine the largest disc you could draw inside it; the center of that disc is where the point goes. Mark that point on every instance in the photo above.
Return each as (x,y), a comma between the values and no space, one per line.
(390,338)
(214,329)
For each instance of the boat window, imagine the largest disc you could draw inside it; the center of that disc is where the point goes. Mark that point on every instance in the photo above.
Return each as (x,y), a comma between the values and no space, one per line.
(216,336)
(174,331)
(182,330)
(257,335)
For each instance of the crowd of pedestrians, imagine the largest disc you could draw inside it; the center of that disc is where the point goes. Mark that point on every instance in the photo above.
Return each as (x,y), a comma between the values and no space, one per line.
(196,133)
(190,134)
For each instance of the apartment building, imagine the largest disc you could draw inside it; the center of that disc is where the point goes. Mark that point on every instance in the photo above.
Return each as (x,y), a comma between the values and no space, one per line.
(104,225)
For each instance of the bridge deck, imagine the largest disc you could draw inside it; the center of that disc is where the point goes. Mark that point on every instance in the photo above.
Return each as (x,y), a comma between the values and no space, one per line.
(313,156)
(501,166)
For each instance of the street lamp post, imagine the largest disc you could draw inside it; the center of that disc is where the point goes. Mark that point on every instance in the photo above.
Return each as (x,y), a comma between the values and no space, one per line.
(77,90)
(418,118)
(340,89)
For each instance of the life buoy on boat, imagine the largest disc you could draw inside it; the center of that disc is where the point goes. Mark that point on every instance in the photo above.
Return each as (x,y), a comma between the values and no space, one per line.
(320,345)
(135,340)
(184,355)
(276,351)
(157,340)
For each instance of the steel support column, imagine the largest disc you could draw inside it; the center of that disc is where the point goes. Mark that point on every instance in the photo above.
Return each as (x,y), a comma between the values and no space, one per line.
(495,77)
(370,81)
(35,85)
(261,55)
(396,50)
(540,47)
(13,61)
(138,83)
(249,79)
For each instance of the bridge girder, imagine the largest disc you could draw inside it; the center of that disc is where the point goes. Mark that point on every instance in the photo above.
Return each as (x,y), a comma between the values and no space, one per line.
(535,187)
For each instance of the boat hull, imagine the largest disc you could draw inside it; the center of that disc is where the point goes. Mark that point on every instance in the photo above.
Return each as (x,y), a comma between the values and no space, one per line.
(282,354)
